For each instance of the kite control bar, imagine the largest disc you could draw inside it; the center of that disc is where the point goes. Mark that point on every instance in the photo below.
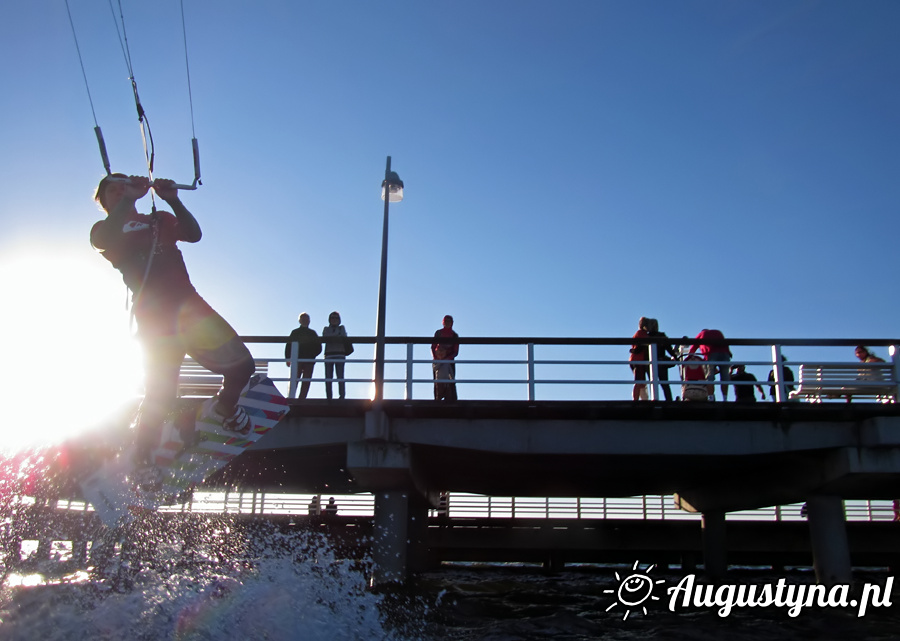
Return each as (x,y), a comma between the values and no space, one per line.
(194,145)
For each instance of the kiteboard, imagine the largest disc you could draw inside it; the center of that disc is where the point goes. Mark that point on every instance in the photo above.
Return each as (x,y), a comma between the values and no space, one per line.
(186,457)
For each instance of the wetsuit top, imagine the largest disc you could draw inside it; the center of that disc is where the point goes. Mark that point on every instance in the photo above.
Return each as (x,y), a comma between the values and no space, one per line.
(168,283)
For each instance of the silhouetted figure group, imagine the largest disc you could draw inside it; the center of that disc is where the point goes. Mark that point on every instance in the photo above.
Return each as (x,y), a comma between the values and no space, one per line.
(709,355)
(337,348)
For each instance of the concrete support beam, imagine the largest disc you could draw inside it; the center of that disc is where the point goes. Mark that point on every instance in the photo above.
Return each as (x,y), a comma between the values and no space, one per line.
(389,545)
(377,425)
(828,535)
(380,466)
(715,549)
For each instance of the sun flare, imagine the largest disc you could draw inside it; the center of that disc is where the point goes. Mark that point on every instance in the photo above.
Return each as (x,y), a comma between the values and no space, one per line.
(70,358)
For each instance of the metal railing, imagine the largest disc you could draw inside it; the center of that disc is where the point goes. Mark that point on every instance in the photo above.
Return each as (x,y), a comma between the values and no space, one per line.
(479,506)
(532,369)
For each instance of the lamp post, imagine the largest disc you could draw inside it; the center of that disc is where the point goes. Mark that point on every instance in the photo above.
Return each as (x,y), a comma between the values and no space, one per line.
(391,192)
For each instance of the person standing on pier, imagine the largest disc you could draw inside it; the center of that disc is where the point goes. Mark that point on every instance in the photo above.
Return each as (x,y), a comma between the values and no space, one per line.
(664,351)
(444,371)
(744,393)
(787,377)
(865,355)
(716,351)
(640,352)
(308,347)
(337,349)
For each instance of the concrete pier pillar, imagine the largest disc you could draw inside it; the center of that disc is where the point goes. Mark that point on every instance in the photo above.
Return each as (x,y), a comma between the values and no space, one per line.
(715,549)
(389,545)
(828,536)
(418,555)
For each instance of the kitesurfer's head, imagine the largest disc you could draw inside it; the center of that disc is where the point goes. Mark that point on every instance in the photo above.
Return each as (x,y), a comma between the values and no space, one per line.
(109,191)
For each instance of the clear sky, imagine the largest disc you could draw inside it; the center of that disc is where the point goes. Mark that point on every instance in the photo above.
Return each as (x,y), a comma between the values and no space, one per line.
(569,166)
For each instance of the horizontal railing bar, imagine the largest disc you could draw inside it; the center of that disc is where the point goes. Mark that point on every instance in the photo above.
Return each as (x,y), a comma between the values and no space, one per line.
(617,340)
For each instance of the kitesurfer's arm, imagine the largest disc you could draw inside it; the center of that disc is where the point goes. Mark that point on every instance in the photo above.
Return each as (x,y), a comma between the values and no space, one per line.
(189,228)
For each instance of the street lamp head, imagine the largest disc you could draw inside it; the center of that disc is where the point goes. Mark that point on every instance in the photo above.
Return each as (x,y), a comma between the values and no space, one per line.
(394,187)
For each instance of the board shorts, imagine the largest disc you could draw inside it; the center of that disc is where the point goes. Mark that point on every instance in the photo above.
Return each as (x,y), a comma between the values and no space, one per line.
(194,328)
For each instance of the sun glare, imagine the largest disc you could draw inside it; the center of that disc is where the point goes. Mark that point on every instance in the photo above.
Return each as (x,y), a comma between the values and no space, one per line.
(69,358)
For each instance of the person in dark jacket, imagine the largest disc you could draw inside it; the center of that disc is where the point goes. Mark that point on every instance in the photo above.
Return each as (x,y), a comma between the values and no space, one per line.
(787,376)
(308,347)
(744,393)
(665,354)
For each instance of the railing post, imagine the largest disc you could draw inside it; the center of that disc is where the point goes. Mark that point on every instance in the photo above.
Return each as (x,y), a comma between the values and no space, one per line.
(777,369)
(409,371)
(654,372)
(292,387)
(530,372)
(895,361)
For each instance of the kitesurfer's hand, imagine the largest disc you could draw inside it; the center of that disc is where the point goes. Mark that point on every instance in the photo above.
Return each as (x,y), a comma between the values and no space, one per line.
(136,187)
(165,189)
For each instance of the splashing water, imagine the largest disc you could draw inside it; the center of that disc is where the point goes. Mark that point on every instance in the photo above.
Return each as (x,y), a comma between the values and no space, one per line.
(187,578)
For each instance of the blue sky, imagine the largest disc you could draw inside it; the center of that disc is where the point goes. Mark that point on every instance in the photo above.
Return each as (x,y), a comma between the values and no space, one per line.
(569,166)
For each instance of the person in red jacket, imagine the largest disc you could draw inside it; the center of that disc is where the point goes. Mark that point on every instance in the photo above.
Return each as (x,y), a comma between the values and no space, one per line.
(441,352)
(640,352)
(718,356)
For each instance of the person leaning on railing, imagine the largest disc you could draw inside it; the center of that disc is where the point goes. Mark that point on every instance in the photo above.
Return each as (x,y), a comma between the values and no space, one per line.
(718,355)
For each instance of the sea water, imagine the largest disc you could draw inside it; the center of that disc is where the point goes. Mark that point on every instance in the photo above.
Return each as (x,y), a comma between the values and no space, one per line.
(315,596)
(208,579)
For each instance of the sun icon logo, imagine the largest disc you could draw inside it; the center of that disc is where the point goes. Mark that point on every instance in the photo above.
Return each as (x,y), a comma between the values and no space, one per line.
(634,590)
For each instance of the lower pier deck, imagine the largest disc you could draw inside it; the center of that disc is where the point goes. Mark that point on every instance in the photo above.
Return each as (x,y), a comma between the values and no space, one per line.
(68,540)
